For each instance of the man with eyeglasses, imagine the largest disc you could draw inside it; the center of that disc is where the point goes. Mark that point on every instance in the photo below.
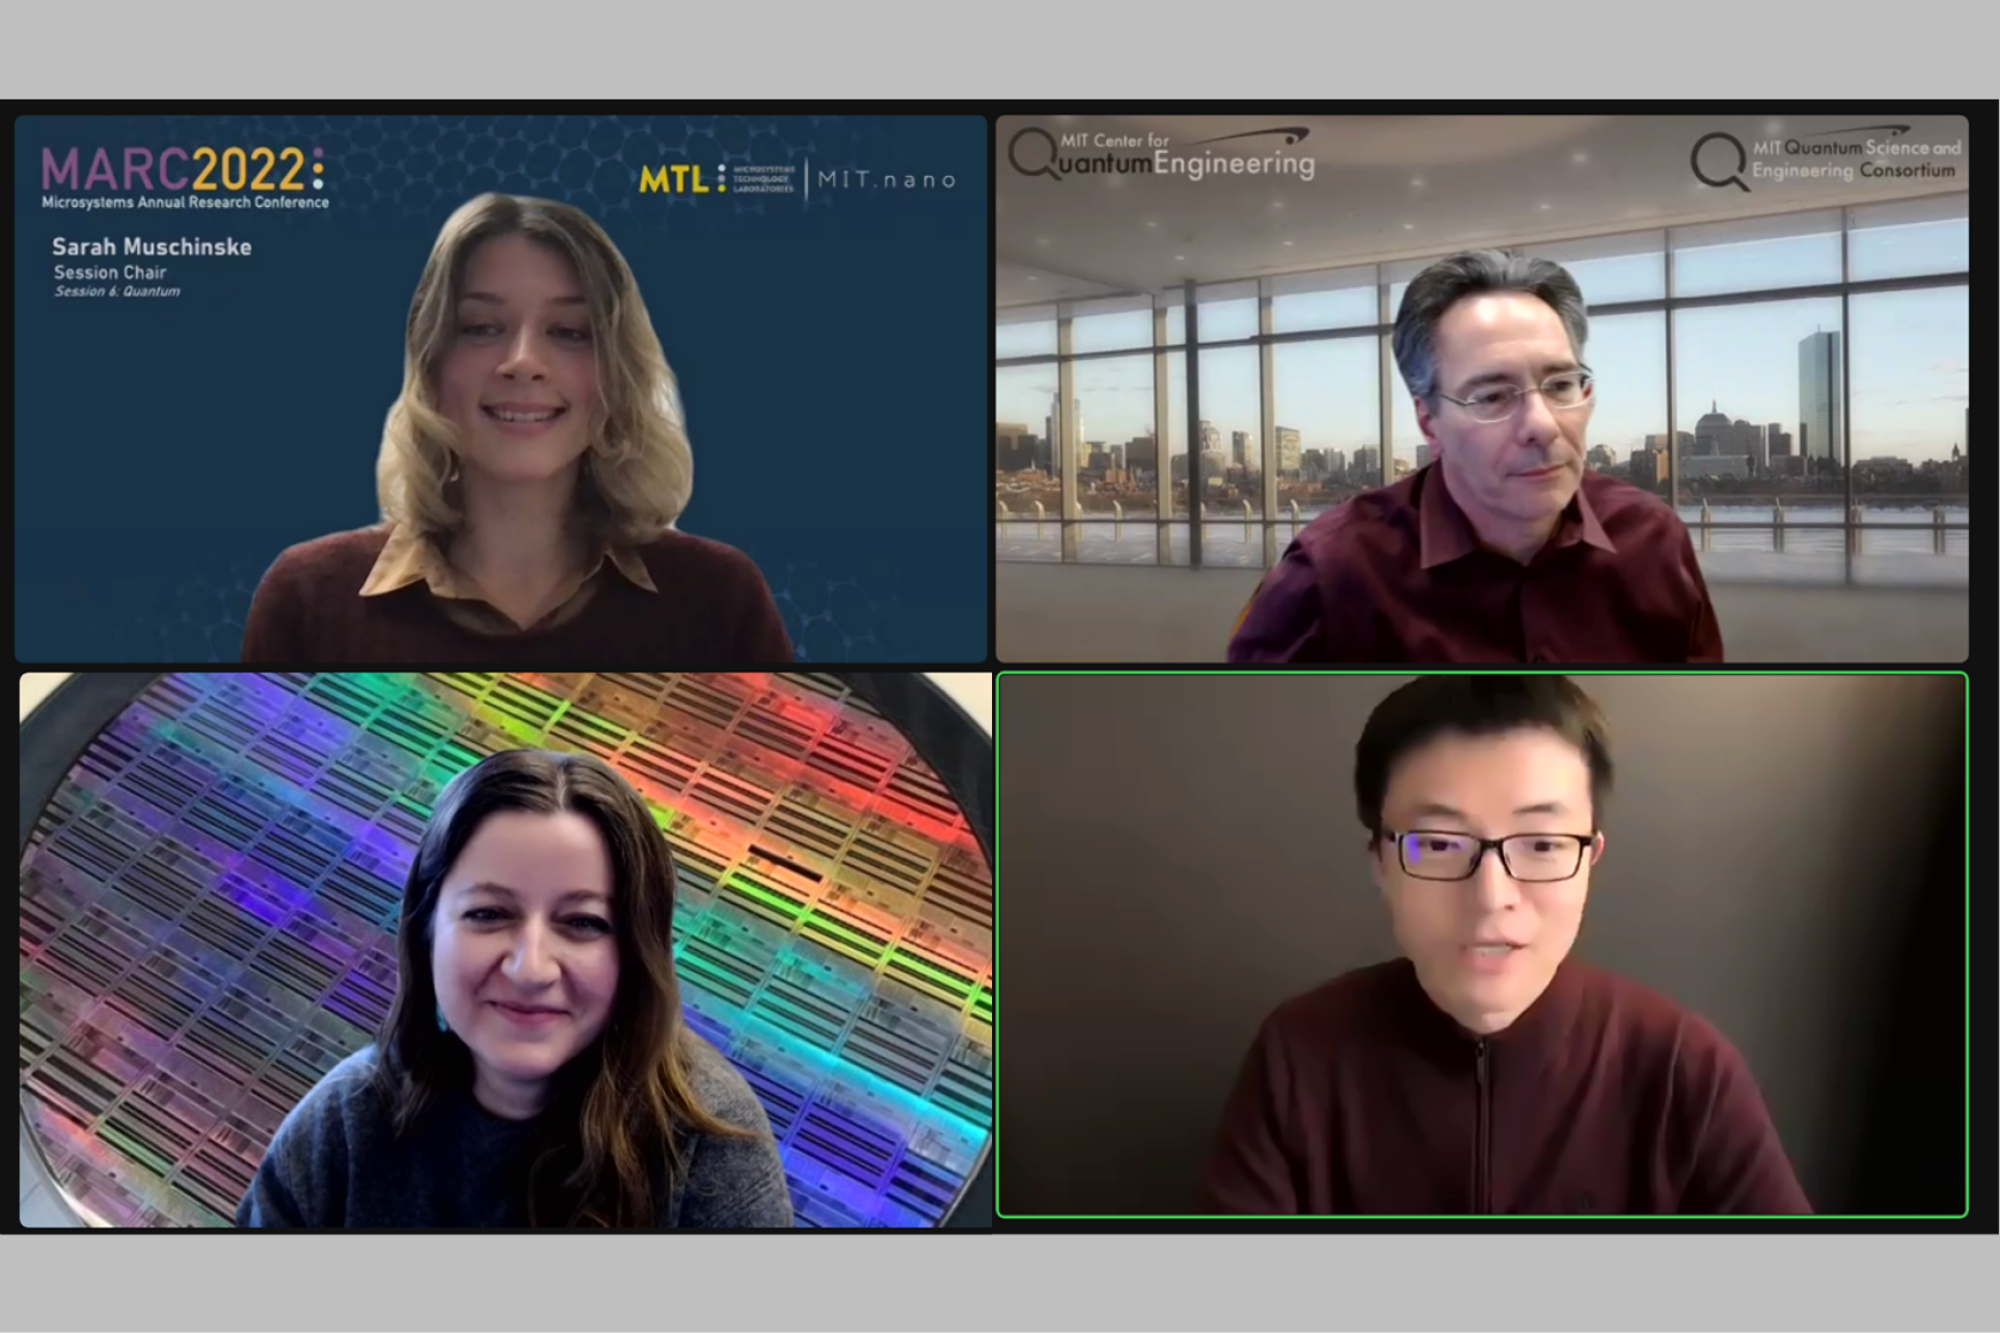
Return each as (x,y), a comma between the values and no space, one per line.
(1485,1071)
(1505,548)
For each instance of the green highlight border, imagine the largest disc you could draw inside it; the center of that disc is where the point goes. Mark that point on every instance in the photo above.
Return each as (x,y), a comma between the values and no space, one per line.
(1480,1217)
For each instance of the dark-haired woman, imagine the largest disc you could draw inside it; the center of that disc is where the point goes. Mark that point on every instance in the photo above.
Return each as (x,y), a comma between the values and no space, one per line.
(534,1069)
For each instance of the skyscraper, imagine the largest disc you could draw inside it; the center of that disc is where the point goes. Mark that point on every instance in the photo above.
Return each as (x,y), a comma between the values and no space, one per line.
(1288,452)
(1753,441)
(1075,425)
(1820,425)
(1013,447)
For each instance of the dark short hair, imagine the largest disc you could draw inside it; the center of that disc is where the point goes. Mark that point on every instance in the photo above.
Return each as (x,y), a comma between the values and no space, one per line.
(1449,281)
(1484,705)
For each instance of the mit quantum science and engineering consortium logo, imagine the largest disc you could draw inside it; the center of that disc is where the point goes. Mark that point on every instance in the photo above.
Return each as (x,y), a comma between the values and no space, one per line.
(1036,152)
(1726,161)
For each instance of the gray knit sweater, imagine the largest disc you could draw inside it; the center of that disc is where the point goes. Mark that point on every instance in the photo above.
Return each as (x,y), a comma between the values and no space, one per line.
(334,1163)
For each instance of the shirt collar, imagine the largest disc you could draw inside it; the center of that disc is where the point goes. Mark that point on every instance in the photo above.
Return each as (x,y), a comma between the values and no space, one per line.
(409,557)
(1445,534)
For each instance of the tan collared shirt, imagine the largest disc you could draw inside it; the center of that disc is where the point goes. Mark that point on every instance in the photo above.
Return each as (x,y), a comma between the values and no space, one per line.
(409,557)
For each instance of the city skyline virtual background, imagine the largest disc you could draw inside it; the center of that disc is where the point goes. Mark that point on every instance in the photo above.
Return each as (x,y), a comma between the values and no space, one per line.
(1762,414)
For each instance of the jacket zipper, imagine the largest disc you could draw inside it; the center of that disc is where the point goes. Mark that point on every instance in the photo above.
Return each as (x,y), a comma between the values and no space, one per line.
(1483,1153)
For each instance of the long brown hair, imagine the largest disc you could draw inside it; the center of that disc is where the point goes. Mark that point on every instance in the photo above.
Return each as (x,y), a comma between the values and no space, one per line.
(609,1146)
(639,471)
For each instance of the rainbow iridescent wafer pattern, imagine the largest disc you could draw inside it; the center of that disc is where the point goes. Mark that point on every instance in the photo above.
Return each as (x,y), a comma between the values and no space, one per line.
(208,908)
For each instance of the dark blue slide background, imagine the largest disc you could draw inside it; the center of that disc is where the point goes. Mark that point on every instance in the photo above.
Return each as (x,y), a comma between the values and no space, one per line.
(830,350)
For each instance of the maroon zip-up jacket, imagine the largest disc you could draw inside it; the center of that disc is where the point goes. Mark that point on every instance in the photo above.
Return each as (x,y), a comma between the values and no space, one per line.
(1603,1097)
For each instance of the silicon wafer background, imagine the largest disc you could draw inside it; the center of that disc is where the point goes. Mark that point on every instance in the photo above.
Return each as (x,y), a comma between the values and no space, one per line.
(208,908)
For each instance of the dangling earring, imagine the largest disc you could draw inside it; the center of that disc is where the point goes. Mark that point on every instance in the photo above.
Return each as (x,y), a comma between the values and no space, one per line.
(453,474)
(442,1025)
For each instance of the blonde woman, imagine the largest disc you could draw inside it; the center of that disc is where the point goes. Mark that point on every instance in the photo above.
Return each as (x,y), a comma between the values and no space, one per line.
(529,479)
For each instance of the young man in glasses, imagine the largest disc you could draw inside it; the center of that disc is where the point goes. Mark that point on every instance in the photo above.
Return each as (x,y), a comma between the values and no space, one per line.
(1484,1071)
(1505,548)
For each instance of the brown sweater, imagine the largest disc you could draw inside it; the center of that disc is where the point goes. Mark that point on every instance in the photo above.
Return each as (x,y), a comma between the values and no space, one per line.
(1604,1097)
(711,608)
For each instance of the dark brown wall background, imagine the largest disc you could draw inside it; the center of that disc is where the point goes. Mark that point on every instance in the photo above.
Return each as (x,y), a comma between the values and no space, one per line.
(1177,854)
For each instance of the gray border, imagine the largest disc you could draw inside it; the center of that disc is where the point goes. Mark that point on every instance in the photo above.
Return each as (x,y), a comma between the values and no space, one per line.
(1537,1284)
(1021,1281)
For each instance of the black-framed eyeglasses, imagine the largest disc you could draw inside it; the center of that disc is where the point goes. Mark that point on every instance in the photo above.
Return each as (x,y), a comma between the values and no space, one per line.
(1531,858)
(1564,391)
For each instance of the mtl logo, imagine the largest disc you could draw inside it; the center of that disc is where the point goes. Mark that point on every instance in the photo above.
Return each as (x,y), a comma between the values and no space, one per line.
(677,178)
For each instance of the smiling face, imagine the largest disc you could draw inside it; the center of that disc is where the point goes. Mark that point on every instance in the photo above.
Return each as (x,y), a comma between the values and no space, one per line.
(1521,472)
(1530,781)
(524,951)
(519,374)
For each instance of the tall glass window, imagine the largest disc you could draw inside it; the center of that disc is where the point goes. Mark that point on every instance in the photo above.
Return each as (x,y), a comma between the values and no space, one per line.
(1819,367)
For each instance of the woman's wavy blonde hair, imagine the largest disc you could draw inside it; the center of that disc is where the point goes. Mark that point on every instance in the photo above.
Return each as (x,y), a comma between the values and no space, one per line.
(638,473)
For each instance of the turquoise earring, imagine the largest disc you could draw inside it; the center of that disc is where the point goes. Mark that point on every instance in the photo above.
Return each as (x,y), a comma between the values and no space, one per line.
(442,1025)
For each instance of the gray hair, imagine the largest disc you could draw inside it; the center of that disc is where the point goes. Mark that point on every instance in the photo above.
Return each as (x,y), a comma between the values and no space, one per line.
(1450,281)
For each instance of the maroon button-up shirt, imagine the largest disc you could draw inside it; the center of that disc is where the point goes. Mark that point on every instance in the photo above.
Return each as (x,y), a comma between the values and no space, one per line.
(1398,575)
